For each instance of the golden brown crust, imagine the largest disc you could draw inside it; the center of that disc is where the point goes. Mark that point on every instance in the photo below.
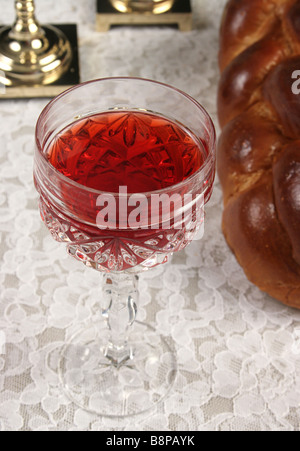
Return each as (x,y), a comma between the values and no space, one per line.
(286,183)
(244,22)
(261,244)
(259,148)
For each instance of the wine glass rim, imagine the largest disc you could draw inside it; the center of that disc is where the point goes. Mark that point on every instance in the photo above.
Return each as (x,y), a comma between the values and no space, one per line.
(207,163)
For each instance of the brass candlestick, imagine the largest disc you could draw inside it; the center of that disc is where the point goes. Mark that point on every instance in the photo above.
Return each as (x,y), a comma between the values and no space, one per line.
(31,54)
(142,6)
(144,12)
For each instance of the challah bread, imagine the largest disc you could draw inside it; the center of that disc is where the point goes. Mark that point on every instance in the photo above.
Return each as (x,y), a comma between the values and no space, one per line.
(259,147)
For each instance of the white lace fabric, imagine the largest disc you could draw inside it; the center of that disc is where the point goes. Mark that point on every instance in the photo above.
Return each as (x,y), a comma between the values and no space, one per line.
(238,349)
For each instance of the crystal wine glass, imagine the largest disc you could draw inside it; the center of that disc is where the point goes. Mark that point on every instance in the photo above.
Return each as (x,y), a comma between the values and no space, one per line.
(123,167)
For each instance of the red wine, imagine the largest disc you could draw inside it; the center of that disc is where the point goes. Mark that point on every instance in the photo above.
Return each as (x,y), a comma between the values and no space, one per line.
(134,149)
(139,150)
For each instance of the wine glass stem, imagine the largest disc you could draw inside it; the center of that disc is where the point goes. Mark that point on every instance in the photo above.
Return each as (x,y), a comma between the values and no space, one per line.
(120,308)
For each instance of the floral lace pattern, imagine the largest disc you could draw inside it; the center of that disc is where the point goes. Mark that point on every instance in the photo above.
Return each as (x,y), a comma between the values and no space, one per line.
(238,350)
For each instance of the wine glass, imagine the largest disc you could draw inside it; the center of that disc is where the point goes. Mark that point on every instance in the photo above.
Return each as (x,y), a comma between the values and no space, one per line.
(123,167)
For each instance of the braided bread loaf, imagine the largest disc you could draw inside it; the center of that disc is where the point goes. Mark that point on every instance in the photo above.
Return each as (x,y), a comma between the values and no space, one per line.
(259,148)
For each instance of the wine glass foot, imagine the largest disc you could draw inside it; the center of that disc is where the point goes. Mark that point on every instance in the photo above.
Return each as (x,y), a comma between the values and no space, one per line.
(95,384)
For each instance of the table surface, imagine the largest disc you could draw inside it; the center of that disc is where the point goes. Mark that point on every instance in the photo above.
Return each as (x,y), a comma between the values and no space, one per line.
(238,349)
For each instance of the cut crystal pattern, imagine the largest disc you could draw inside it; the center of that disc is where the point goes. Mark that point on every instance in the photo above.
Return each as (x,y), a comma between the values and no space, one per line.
(111,253)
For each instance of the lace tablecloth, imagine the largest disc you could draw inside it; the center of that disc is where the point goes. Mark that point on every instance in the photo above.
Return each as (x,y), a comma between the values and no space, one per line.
(238,349)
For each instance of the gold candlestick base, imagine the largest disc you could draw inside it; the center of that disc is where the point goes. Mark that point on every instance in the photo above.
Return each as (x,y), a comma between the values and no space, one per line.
(40,60)
(48,84)
(142,6)
(32,56)
(134,12)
